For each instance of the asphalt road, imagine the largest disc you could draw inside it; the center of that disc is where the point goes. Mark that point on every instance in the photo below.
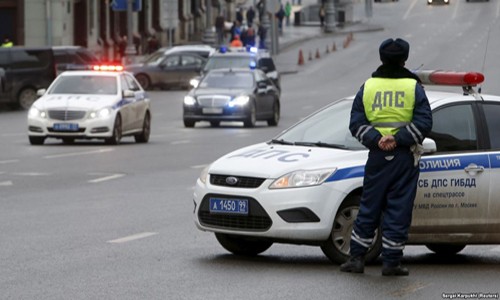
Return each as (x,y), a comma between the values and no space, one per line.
(90,221)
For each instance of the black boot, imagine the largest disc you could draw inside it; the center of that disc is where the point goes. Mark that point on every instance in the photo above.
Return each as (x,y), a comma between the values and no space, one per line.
(397,270)
(354,265)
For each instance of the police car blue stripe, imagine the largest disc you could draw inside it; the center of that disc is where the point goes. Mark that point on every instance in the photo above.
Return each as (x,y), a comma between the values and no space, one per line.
(443,163)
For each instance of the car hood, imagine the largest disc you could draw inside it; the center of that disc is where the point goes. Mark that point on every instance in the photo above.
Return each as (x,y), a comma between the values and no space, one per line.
(273,161)
(85,102)
(225,92)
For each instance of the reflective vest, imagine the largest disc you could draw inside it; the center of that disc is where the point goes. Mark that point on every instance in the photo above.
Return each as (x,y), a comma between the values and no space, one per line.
(389,103)
(7,44)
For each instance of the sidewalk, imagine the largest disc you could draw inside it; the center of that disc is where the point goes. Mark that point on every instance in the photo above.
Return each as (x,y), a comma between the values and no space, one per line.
(287,60)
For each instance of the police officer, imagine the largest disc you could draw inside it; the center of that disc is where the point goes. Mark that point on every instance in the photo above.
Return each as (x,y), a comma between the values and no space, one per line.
(7,43)
(390,116)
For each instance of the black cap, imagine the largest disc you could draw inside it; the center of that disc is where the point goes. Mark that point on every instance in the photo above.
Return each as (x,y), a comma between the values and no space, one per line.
(394,51)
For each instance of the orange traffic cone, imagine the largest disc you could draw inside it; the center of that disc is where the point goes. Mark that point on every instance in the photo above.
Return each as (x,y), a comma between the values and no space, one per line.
(317,53)
(301,58)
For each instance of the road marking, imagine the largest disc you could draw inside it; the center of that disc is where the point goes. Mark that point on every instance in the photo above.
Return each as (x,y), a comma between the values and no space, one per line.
(106,178)
(6,183)
(198,167)
(132,237)
(495,249)
(409,289)
(78,153)
(409,9)
(31,174)
(9,161)
(180,142)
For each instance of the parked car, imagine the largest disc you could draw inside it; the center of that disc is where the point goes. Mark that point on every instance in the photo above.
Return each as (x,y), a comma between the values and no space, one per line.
(202,50)
(74,58)
(304,185)
(165,69)
(98,104)
(245,95)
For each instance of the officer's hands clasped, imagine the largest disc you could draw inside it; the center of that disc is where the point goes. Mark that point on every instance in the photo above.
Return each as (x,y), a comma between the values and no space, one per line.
(387,143)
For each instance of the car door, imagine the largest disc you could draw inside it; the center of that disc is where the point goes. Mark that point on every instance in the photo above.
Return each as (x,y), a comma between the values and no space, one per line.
(491,111)
(190,67)
(264,94)
(127,106)
(453,188)
(168,72)
(139,106)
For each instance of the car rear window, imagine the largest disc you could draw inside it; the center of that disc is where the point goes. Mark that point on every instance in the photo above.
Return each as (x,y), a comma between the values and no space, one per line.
(30,59)
(223,62)
(267,64)
(227,80)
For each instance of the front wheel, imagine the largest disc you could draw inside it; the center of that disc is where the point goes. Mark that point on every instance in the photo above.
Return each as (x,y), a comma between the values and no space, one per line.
(276,114)
(241,245)
(252,117)
(36,140)
(337,247)
(26,97)
(144,81)
(188,123)
(117,132)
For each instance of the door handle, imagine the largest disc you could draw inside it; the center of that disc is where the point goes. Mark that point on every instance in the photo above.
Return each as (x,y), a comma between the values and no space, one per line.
(473,168)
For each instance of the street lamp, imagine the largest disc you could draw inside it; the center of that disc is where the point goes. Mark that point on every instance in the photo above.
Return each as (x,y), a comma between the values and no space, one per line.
(130,50)
(209,35)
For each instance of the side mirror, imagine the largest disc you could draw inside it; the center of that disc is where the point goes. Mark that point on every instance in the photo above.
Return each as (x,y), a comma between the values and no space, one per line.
(261,84)
(40,92)
(429,146)
(128,94)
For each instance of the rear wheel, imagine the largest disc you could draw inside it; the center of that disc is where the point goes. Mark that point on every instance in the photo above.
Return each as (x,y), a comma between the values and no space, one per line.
(276,115)
(117,132)
(36,140)
(143,137)
(241,245)
(445,249)
(143,80)
(188,123)
(252,117)
(337,247)
(26,97)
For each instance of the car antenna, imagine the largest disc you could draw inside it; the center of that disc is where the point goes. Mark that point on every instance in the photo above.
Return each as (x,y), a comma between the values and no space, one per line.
(484,59)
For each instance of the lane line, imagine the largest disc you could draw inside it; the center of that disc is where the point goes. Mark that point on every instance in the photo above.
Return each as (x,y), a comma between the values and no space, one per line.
(106,178)
(78,153)
(409,9)
(132,237)
(10,161)
(31,174)
(6,183)
(180,142)
(495,249)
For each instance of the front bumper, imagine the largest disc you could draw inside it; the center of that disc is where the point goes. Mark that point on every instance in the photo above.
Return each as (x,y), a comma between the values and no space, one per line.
(87,128)
(196,113)
(294,215)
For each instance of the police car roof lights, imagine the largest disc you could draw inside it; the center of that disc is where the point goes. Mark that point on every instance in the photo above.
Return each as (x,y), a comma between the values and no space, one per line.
(439,77)
(116,68)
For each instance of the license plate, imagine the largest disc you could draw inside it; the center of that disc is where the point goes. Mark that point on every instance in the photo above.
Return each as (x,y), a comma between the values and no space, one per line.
(66,126)
(230,206)
(212,110)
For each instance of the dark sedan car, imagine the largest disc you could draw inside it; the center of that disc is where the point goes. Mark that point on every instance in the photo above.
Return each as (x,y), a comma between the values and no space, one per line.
(245,95)
(167,70)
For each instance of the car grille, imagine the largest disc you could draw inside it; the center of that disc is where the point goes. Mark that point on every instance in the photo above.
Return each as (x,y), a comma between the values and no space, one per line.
(241,182)
(212,101)
(257,218)
(66,115)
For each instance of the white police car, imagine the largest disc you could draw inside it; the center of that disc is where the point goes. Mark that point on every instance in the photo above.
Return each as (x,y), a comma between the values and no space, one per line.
(105,103)
(304,186)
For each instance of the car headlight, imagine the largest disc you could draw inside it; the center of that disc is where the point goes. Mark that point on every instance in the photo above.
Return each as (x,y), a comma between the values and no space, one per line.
(36,113)
(189,100)
(204,174)
(302,178)
(101,113)
(240,100)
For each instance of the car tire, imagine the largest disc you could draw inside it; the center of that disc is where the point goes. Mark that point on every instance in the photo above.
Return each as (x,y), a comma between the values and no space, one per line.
(36,140)
(337,247)
(117,132)
(445,249)
(189,123)
(241,245)
(143,137)
(276,114)
(144,81)
(214,123)
(26,97)
(251,118)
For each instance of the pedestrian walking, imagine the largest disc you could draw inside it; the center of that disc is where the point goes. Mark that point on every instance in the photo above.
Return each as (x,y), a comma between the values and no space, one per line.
(280,15)
(391,116)
(322,15)
(250,15)
(288,12)
(220,29)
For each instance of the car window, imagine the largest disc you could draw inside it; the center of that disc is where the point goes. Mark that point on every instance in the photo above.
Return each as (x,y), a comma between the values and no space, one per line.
(84,84)
(171,61)
(267,63)
(454,128)
(86,57)
(189,60)
(26,58)
(227,80)
(131,83)
(155,58)
(223,62)
(491,113)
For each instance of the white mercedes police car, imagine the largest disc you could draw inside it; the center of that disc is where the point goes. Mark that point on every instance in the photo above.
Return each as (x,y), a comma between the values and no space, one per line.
(105,103)
(304,186)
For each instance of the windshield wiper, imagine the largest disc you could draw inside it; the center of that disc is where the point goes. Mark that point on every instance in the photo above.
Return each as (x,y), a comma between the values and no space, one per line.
(321,144)
(281,142)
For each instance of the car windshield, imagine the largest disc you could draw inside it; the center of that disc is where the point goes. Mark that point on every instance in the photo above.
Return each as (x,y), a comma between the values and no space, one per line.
(154,58)
(225,62)
(227,80)
(84,84)
(327,128)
